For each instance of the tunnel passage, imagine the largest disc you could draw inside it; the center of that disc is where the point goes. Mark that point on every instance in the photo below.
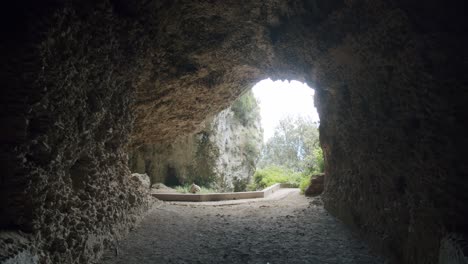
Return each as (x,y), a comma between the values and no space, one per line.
(105,77)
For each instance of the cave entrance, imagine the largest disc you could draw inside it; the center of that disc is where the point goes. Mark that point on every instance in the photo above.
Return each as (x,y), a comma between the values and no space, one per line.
(291,150)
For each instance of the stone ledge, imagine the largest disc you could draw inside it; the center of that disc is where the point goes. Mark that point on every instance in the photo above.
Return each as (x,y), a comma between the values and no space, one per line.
(217,196)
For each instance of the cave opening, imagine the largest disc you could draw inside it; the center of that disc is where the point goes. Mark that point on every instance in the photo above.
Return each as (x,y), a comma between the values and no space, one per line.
(109,76)
(268,135)
(291,152)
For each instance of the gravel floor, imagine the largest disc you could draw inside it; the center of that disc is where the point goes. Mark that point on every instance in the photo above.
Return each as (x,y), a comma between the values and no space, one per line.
(288,228)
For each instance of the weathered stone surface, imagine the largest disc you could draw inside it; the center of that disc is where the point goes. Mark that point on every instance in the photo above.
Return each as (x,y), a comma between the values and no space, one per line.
(223,155)
(81,79)
(142,178)
(453,249)
(65,105)
(161,188)
(316,185)
(16,248)
(194,188)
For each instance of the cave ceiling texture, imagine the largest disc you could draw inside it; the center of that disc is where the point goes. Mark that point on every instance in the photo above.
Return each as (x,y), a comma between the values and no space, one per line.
(85,82)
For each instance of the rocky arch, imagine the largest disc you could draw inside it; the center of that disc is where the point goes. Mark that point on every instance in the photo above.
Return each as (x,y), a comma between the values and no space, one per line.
(98,78)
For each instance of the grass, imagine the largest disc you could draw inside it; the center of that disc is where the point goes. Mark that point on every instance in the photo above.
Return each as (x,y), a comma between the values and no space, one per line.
(186,189)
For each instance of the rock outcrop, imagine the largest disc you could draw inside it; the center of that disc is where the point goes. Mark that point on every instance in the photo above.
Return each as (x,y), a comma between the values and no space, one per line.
(316,185)
(85,82)
(143,179)
(223,155)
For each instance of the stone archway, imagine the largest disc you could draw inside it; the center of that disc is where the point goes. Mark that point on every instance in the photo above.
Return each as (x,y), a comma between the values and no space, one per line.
(97,79)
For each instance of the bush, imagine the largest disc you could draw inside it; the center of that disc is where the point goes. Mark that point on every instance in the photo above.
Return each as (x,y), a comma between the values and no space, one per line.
(275,174)
(240,185)
(304,184)
(315,162)
(319,161)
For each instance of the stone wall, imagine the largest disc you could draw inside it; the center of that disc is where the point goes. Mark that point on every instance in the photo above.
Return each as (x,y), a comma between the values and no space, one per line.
(82,81)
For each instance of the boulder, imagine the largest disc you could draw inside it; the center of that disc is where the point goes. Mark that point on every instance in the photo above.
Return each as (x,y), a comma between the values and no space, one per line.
(316,185)
(142,178)
(195,188)
(159,185)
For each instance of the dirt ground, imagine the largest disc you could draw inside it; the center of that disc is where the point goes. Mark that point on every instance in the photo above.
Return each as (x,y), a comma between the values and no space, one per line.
(284,228)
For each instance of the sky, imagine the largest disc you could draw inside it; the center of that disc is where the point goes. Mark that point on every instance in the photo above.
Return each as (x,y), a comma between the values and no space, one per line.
(279,99)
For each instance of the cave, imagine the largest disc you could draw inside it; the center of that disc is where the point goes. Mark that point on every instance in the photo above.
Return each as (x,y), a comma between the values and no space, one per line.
(85,83)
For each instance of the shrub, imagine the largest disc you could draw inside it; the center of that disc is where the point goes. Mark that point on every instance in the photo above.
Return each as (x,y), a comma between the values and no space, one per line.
(275,174)
(315,162)
(305,182)
(320,163)
(240,185)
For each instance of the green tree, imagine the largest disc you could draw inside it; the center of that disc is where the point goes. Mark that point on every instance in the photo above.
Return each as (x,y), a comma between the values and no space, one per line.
(294,145)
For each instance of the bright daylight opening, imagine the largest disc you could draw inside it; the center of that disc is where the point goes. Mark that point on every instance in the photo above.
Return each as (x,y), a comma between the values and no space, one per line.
(281,99)
(291,151)
(268,135)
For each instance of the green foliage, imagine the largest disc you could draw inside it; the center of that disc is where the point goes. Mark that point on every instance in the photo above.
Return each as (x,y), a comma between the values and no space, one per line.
(293,146)
(315,162)
(240,185)
(251,151)
(292,155)
(276,174)
(246,108)
(319,161)
(269,176)
(202,171)
(305,182)
(186,189)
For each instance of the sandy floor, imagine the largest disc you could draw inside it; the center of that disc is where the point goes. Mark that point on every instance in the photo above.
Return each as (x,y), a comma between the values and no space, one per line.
(284,228)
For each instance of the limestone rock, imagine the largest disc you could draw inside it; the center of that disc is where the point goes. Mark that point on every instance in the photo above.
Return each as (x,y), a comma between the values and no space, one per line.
(194,188)
(142,178)
(159,185)
(16,248)
(161,188)
(82,82)
(316,185)
(224,152)
(452,247)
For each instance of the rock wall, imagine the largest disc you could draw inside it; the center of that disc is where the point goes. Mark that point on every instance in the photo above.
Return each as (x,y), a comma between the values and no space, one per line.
(223,155)
(65,186)
(390,100)
(84,80)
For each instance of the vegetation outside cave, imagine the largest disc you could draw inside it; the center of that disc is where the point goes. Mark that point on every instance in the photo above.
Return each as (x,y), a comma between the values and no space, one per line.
(291,155)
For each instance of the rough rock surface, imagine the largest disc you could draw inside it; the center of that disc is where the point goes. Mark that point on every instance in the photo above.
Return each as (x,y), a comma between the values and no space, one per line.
(316,185)
(453,249)
(161,188)
(81,78)
(143,179)
(65,104)
(194,188)
(224,152)
(16,248)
